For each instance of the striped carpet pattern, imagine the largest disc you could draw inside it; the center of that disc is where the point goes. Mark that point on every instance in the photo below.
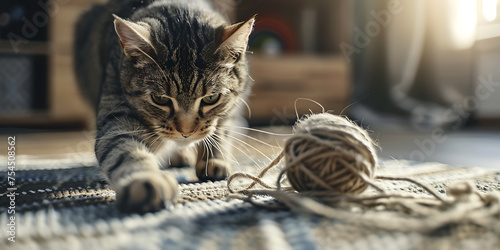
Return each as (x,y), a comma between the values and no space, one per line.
(62,204)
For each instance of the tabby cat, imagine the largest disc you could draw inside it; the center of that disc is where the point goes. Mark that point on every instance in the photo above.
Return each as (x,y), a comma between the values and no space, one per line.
(167,78)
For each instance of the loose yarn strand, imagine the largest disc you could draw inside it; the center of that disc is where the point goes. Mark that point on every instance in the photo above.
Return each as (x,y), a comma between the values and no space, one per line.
(256,179)
(330,161)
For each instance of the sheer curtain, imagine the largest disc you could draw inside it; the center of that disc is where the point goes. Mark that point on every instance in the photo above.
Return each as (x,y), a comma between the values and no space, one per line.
(418,67)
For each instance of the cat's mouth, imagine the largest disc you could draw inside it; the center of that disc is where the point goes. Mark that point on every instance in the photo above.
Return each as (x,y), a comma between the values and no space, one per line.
(183,138)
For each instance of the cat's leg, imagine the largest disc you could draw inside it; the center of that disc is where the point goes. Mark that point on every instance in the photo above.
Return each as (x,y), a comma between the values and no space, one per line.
(132,170)
(212,163)
(186,157)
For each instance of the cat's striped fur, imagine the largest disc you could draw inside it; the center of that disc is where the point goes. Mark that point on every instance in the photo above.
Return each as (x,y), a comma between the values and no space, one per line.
(170,74)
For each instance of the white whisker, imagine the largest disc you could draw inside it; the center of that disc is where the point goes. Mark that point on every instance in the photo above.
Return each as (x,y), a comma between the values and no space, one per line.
(248,108)
(237,148)
(252,147)
(206,150)
(255,139)
(257,130)
(148,136)
(219,147)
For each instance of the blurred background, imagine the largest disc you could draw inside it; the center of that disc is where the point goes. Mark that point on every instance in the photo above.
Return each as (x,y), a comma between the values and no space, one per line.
(422,76)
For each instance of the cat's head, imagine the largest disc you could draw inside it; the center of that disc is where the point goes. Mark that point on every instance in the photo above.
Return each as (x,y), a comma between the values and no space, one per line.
(184,77)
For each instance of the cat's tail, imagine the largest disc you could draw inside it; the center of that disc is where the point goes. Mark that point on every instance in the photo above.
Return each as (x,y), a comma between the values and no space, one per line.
(90,30)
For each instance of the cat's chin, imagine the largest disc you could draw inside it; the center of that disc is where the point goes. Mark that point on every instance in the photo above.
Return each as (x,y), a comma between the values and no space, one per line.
(186,142)
(172,145)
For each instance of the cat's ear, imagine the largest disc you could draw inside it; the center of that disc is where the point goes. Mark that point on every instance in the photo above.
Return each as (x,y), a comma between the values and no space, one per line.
(235,40)
(135,38)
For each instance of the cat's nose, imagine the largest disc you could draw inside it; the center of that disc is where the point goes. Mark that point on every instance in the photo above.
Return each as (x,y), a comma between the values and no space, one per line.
(184,134)
(185,125)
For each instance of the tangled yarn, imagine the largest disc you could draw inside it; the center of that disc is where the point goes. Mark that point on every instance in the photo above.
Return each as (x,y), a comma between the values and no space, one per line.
(330,161)
(329,153)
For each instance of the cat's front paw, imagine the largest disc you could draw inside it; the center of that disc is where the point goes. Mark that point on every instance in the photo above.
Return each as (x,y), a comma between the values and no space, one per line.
(213,170)
(148,191)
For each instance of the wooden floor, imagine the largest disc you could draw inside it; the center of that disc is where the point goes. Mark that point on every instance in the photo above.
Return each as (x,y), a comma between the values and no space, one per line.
(459,148)
(469,148)
(52,143)
(56,143)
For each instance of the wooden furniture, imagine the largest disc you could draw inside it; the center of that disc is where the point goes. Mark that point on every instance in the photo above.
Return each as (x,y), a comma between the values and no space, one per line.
(65,108)
(281,80)
(296,55)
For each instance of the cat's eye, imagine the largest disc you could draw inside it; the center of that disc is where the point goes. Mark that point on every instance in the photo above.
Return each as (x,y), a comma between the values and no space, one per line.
(211,99)
(160,99)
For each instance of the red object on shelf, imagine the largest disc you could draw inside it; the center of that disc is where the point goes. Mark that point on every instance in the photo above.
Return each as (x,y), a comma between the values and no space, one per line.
(278,27)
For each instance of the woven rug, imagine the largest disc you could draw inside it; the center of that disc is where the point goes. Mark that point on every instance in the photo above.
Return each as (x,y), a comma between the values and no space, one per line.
(65,204)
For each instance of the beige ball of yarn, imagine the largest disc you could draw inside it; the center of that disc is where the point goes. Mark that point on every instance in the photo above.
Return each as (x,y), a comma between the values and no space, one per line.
(329,153)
